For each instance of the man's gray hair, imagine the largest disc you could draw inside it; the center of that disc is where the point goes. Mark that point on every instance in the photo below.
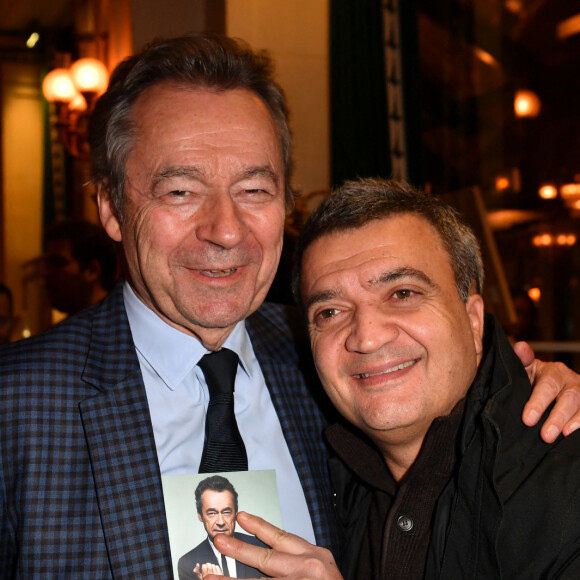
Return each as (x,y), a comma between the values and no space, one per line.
(205,61)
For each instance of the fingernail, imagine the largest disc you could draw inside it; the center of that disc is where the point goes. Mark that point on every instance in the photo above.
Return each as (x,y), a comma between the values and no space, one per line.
(533,416)
(552,433)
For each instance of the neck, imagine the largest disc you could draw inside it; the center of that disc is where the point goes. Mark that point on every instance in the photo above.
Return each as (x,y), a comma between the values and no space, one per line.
(400,457)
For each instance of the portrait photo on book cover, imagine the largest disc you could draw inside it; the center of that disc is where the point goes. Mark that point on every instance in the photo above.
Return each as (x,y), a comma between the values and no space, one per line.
(200,505)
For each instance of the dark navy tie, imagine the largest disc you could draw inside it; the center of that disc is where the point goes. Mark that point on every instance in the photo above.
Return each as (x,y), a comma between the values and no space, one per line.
(223,449)
(225,569)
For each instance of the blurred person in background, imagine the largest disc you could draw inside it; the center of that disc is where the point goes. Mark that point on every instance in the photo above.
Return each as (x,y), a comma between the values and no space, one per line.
(80,265)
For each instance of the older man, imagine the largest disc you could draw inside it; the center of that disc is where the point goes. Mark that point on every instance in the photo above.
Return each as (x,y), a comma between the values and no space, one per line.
(437,476)
(192,157)
(191,153)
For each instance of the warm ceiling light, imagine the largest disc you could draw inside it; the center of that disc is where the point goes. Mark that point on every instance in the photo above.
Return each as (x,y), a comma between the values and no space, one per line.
(89,75)
(535,294)
(548,192)
(570,190)
(542,240)
(501,183)
(485,56)
(32,40)
(58,86)
(570,239)
(562,239)
(78,103)
(527,104)
(514,6)
(568,27)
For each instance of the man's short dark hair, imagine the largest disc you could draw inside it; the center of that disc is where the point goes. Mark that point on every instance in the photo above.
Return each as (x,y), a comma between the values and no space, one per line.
(214,483)
(358,202)
(195,61)
(88,242)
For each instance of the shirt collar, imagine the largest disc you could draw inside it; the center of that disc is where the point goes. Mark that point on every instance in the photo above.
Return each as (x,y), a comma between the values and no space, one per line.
(172,353)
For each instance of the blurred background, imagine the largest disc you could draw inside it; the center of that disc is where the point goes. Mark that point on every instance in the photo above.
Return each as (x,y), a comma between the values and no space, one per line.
(474,100)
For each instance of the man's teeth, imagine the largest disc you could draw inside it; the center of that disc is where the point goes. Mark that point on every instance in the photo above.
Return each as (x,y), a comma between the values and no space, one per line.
(219,273)
(392,370)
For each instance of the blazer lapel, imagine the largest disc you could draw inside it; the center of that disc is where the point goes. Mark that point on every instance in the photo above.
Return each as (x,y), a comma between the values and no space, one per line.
(122,452)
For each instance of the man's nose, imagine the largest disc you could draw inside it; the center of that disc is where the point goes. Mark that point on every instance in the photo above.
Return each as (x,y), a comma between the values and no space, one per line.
(220,221)
(370,330)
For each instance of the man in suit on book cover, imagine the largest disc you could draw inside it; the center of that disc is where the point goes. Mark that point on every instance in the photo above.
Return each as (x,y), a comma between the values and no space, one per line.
(217,506)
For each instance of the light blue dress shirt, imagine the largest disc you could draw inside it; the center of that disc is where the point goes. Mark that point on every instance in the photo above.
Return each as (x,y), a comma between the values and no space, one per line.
(178,398)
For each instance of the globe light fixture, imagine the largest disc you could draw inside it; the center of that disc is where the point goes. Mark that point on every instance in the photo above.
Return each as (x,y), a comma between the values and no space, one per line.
(74,92)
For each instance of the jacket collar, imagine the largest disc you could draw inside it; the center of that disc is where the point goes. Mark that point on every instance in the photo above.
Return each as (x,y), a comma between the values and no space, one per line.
(498,394)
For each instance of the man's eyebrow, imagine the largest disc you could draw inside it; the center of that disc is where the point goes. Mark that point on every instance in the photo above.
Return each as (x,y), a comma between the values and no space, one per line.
(385,278)
(190,172)
(319,297)
(402,273)
(258,171)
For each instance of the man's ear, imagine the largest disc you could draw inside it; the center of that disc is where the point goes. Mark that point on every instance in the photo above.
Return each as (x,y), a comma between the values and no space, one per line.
(107,213)
(476,313)
(200,518)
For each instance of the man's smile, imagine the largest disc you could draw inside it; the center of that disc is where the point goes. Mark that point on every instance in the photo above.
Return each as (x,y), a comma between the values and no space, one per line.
(218,273)
(391,370)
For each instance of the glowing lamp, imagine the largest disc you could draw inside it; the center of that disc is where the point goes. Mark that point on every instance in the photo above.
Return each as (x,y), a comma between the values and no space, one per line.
(527,104)
(58,86)
(89,75)
(548,192)
(535,294)
(74,92)
(78,103)
(502,183)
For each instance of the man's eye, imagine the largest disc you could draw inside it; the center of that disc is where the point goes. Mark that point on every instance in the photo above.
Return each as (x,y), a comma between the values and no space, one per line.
(404,294)
(326,313)
(178,192)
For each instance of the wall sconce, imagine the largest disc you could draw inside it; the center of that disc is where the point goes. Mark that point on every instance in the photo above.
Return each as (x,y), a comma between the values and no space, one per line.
(74,92)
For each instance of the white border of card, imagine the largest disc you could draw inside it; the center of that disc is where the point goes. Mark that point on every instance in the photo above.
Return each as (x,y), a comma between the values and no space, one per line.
(257,494)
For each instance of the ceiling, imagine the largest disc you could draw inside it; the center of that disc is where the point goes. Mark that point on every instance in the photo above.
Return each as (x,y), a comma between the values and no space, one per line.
(24,15)
(474,55)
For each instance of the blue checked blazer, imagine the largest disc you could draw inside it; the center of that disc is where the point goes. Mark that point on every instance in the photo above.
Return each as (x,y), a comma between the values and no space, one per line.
(80,485)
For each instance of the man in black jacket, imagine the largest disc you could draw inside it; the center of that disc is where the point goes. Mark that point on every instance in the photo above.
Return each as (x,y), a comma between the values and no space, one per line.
(435,475)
